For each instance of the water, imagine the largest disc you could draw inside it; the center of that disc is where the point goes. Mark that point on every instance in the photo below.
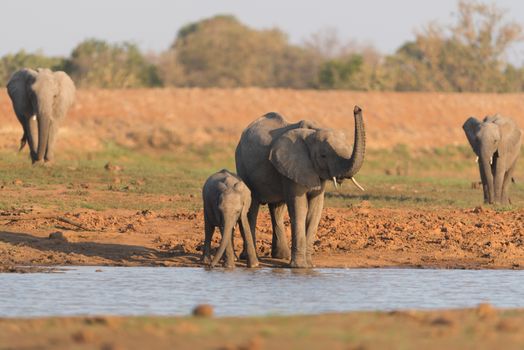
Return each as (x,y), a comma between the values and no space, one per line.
(242,292)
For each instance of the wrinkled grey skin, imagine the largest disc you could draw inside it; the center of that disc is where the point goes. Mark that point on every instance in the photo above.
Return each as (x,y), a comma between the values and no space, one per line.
(226,203)
(41,99)
(285,163)
(496,141)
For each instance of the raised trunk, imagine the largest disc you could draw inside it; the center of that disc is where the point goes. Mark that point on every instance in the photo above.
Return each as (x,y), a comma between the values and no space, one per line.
(359,146)
(227,234)
(485,168)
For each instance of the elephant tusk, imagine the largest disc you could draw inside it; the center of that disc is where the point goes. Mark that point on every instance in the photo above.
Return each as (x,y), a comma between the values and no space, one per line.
(335,182)
(491,160)
(357,184)
(477,159)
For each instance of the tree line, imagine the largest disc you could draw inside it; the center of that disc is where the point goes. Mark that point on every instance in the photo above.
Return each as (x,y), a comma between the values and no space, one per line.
(469,54)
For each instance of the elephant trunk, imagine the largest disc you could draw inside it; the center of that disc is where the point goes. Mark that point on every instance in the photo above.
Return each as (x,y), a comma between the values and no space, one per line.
(359,146)
(487,176)
(227,234)
(45,111)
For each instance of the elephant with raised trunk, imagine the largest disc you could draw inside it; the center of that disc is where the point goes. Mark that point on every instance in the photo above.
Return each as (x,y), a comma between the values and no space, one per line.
(496,142)
(226,203)
(289,164)
(41,99)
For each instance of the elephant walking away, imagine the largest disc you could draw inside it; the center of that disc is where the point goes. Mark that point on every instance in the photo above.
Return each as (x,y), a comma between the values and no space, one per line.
(496,141)
(289,164)
(41,99)
(226,203)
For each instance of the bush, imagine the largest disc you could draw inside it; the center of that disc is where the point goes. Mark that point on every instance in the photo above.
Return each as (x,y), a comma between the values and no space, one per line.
(96,63)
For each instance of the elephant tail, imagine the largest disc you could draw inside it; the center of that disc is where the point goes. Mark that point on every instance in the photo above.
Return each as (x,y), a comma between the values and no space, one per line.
(23,141)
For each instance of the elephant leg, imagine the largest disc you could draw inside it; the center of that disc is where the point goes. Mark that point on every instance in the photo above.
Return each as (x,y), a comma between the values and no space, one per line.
(208,230)
(297,205)
(32,136)
(252,218)
(252,260)
(50,149)
(498,179)
(507,182)
(484,180)
(279,246)
(316,204)
(230,253)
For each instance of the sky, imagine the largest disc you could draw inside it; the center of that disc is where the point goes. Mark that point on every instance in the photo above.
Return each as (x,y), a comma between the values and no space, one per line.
(56,26)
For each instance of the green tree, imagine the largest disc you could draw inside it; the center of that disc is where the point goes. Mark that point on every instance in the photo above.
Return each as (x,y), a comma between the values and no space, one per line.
(223,52)
(339,73)
(96,63)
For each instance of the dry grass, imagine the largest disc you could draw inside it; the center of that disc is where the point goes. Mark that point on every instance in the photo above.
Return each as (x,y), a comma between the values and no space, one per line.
(165,118)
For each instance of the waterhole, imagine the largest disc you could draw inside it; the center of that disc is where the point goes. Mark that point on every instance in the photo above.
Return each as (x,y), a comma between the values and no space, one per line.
(243,292)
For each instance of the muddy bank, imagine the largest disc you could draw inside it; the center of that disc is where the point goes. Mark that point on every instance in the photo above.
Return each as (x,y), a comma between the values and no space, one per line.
(353,237)
(481,328)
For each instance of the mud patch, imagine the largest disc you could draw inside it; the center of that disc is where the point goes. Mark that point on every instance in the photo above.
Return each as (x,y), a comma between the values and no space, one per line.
(358,237)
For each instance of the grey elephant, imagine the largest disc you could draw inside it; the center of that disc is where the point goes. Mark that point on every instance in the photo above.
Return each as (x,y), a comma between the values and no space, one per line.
(289,164)
(41,99)
(226,203)
(496,141)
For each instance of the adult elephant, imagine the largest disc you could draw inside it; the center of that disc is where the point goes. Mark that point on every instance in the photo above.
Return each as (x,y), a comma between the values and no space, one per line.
(496,142)
(41,99)
(285,163)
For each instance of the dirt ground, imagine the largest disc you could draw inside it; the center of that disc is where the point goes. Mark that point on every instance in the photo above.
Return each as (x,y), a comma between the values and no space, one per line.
(347,237)
(479,328)
(360,236)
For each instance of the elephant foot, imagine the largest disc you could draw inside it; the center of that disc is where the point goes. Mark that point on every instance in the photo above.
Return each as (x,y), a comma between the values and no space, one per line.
(38,163)
(229,264)
(281,252)
(298,264)
(309,261)
(252,264)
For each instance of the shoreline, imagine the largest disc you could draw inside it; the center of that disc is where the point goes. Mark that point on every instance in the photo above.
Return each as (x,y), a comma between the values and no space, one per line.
(483,327)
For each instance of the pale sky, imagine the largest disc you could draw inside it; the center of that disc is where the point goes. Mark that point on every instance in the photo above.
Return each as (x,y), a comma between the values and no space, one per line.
(57,26)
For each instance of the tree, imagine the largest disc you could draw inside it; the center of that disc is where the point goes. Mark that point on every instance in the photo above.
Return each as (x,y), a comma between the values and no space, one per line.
(221,51)
(338,73)
(468,55)
(12,62)
(96,63)
(344,64)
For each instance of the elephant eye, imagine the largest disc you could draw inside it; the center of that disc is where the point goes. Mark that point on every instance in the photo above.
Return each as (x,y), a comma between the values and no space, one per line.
(323,156)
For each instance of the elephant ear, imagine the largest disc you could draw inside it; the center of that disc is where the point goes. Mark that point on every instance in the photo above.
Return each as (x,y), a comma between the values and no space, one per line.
(66,97)
(511,135)
(290,156)
(18,89)
(471,127)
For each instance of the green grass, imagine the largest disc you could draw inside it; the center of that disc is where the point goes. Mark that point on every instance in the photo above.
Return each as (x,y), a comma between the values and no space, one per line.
(150,180)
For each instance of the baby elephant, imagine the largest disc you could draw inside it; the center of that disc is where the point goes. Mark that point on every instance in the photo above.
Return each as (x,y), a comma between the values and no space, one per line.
(226,202)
